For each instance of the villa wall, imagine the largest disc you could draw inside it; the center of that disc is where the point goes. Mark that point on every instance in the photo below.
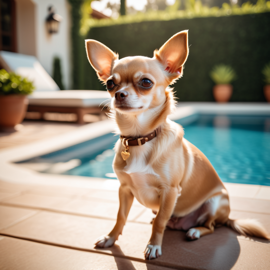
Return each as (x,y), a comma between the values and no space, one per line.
(33,39)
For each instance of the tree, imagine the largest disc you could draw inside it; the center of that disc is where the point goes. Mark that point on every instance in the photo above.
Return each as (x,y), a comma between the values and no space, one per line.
(57,73)
(123,8)
(156,5)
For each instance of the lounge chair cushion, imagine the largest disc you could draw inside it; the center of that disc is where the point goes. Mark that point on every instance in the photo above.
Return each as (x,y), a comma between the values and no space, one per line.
(29,67)
(70,98)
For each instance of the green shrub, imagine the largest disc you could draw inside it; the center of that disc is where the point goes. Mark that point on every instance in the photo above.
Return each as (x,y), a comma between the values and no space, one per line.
(266,73)
(11,83)
(239,41)
(194,9)
(57,73)
(77,42)
(222,74)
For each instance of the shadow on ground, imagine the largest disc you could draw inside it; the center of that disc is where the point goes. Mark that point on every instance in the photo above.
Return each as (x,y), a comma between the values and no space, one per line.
(217,251)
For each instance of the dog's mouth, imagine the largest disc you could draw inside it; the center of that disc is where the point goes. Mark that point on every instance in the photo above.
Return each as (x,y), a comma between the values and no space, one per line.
(127,108)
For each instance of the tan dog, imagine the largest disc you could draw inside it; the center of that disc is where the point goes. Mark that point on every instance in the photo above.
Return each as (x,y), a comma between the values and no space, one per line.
(153,162)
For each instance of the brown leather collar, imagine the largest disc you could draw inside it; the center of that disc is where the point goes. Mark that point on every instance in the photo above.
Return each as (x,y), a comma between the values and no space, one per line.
(131,141)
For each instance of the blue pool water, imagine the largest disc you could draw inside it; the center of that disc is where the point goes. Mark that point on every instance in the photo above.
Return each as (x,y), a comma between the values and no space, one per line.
(237,146)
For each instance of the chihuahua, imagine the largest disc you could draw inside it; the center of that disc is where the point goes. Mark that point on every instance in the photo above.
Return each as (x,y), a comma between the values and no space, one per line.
(153,161)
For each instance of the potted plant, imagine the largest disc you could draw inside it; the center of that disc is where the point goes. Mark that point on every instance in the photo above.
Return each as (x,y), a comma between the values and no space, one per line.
(266,73)
(222,75)
(13,102)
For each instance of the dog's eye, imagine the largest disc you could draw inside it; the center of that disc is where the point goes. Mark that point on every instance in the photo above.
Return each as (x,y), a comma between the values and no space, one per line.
(145,83)
(110,84)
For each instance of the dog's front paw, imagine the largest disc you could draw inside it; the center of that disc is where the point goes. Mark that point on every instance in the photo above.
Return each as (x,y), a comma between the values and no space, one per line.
(152,252)
(105,241)
(193,234)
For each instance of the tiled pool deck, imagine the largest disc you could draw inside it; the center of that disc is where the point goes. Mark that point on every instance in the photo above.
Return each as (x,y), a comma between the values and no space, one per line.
(51,222)
(44,227)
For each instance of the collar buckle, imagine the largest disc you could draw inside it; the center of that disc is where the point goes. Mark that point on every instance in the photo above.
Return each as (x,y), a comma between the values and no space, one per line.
(139,140)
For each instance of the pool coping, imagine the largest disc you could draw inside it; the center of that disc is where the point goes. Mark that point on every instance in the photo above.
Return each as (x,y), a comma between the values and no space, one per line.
(11,172)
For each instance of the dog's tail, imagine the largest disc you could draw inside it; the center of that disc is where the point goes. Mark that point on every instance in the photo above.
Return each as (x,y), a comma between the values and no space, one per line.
(249,227)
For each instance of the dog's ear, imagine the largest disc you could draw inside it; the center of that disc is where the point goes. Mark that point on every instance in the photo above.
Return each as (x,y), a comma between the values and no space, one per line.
(100,57)
(173,54)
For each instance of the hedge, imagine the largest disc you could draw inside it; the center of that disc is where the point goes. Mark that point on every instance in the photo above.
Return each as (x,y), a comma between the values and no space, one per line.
(57,72)
(77,45)
(241,41)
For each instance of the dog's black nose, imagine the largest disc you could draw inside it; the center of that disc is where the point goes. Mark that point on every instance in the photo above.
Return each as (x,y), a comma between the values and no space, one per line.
(121,95)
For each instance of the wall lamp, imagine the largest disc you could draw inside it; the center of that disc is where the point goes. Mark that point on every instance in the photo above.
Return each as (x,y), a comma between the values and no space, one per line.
(52,21)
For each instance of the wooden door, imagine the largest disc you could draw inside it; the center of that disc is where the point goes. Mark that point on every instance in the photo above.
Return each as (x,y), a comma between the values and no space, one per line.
(7,25)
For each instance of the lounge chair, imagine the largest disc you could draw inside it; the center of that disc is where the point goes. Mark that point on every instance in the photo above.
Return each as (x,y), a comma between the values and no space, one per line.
(47,96)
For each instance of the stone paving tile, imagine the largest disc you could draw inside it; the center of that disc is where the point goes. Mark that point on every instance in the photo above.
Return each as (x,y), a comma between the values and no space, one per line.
(221,250)
(57,191)
(238,190)
(263,193)
(6,193)
(21,255)
(97,208)
(250,205)
(111,195)
(252,256)
(36,200)
(146,217)
(108,195)
(11,215)
(14,187)
(264,219)
(29,131)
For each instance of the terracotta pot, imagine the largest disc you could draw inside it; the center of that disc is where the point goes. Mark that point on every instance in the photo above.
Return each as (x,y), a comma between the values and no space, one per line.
(12,110)
(266,90)
(222,92)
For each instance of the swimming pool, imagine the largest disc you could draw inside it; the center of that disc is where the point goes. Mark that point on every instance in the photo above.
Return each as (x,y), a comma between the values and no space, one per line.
(237,146)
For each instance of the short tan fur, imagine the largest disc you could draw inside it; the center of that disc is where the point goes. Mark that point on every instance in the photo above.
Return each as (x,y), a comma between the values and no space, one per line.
(167,174)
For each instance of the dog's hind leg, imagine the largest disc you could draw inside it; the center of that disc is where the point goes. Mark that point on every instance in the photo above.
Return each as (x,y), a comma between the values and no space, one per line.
(197,232)
(213,212)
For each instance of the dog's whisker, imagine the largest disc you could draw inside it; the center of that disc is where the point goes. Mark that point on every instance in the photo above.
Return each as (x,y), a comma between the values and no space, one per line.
(153,161)
(105,105)
(104,101)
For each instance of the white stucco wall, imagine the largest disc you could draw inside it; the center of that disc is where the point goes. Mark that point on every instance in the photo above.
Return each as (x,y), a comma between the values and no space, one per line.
(49,46)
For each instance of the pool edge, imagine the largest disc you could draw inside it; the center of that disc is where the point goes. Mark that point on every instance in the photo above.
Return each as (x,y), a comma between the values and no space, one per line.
(10,172)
